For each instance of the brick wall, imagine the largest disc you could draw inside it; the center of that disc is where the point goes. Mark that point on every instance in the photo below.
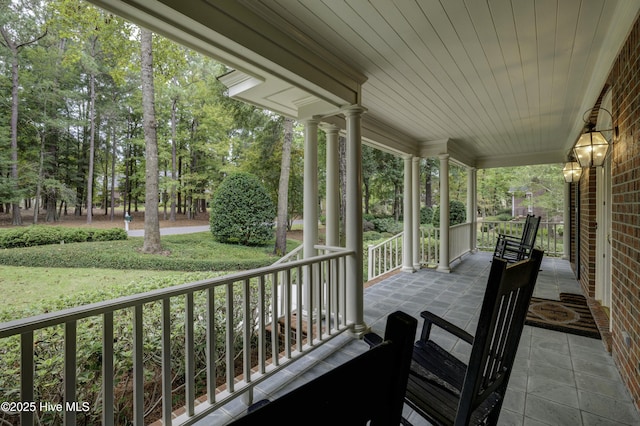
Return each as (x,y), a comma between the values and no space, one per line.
(625,82)
(588,231)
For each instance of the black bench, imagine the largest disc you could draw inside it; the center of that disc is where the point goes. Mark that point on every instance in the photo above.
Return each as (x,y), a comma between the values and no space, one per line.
(367,390)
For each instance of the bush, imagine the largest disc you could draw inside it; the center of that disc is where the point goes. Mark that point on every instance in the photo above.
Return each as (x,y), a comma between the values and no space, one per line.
(457,213)
(242,211)
(504,217)
(426,215)
(371,236)
(387,224)
(39,235)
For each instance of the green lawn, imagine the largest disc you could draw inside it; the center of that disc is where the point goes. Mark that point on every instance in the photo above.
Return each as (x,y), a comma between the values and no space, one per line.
(55,276)
(21,286)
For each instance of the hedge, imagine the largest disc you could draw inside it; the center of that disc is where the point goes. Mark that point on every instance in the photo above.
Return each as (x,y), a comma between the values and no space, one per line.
(39,235)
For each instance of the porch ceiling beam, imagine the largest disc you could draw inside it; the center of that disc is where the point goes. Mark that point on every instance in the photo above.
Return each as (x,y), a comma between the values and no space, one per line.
(232,34)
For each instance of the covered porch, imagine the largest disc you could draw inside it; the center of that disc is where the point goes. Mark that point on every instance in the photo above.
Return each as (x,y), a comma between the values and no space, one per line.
(484,84)
(558,378)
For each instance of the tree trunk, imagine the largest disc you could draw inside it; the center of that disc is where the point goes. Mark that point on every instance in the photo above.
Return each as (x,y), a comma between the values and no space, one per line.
(174,175)
(342,160)
(114,153)
(15,205)
(36,207)
(283,189)
(151,222)
(92,143)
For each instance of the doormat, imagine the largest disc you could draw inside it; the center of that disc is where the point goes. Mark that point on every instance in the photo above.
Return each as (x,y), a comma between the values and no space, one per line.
(570,314)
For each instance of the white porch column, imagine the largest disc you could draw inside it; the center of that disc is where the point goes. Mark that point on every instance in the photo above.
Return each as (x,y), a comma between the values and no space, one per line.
(407,211)
(332,226)
(415,199)
(443,265)
(472,207)
(566,219)
(310,198)
(353,221)
(310,206)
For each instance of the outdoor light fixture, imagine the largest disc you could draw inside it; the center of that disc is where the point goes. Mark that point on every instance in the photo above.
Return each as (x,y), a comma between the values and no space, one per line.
(592,147)
(572,172)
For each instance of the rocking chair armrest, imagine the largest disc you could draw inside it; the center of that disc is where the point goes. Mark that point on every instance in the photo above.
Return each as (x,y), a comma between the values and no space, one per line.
(373,340)
(431,318)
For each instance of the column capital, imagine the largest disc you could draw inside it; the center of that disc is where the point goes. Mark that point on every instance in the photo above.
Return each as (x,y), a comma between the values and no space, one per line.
(354,110)
(315,120)
(329,128)
(444,156)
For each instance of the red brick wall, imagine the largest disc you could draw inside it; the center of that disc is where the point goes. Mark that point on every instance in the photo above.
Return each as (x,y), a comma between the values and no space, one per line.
(625,81)
(588,231)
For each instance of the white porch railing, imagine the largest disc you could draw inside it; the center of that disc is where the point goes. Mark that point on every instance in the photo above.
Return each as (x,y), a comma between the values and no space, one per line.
(549,237)
(239,308)
(459,240)
(384,257)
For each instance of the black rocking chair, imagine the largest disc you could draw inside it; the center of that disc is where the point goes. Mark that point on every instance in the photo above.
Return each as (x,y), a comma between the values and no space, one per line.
(367,390)
(446,391)
(514,249)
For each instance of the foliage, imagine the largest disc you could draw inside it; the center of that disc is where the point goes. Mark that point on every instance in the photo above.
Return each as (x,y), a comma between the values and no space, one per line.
(49,349)
(242,211)
(42,235)
(426,215)
(504,217)
(387,224)
(457,213)
(190,252)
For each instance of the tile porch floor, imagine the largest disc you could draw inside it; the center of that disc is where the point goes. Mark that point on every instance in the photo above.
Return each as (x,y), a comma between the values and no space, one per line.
(558,379)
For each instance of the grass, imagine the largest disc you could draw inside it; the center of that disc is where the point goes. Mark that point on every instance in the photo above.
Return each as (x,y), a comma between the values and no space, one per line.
(42,273)
(21,285)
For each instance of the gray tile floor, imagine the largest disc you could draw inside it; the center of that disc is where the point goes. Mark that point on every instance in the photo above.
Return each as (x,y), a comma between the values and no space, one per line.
(558,379)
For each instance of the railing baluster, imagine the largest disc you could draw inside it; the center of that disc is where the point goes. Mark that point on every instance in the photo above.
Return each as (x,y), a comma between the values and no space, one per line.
(107,369)
(190,358)
(27,370)
(261,324)
(246,328)
(211,346)
(229,332)
(319,292)
(275,316)
(70,356)
(287,310)
(138,367)
(166,361)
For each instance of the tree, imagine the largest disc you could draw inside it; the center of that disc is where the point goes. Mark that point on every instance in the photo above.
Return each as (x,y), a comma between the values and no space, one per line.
(16,35)
(242,211)
(283,189)
(151,220)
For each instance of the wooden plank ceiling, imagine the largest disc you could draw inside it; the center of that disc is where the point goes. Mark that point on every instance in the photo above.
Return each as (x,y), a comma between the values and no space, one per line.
(506,81)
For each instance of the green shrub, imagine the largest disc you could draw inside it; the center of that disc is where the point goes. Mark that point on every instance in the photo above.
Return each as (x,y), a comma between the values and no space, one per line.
(504,217)
(39,235)
(457,213)
(426,215)
(371,236)
(387,224)
(242,211)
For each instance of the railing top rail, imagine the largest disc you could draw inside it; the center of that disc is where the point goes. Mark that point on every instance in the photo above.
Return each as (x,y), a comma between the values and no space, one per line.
(24,325)
(398,235)
(289,255)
